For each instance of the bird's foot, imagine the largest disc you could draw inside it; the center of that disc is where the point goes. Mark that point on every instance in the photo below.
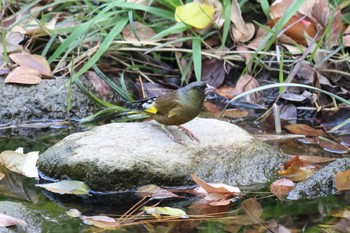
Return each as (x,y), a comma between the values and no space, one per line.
(172,136)
(188,133)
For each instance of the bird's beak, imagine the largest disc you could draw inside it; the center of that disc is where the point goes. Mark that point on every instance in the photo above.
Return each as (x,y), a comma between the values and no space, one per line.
(209,89)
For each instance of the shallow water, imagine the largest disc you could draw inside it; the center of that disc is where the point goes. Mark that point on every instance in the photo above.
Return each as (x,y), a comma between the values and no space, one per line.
(303,216)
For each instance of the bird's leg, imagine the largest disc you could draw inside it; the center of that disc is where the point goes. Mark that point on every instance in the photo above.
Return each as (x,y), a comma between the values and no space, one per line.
(188,133)
(171,136)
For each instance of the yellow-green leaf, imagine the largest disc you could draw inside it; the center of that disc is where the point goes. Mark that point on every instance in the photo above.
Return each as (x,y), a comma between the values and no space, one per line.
(157,211)
(195,14)
(66,187)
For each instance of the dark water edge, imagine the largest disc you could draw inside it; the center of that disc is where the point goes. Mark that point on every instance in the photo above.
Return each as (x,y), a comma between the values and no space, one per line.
(303,216)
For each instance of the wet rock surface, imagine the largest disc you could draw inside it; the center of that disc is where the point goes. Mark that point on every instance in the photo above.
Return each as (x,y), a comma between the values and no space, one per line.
(47,100)
(321,183)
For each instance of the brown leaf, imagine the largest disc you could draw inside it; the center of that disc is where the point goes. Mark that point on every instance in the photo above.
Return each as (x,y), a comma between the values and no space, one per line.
(280,188)
(315,159)
(241,31)
(12,42)
(279,7)
(304,130)
(253,208)
(227,92)
(23,75)
(215,188)
(235,113)
(100,86)
(140,34)
(33,61)
(322,14)
(6,221)
(259,38)
(297,27)
(342,180)
(245,83)
(214,71)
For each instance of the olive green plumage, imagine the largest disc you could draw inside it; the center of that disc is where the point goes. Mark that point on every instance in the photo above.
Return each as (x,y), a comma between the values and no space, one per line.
(177,107)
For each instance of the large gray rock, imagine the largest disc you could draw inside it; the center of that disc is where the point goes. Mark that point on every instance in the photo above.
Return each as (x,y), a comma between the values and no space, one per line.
(123,156)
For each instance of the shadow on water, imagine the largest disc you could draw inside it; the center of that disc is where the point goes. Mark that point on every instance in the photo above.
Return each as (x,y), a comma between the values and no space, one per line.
(28,202)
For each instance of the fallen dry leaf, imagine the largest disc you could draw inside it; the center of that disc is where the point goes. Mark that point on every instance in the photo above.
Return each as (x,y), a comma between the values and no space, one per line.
(315,159)
(297,27)
(100,221)
(23,75)
(242,32)
(215,188)
(100,86)
(342,180)
(297,170)
(6,221)
(304,130)
(138,33)
(213,72)
(20,163)
(245,83)
(280,188)
(253,209)
(32,61)
(322,14)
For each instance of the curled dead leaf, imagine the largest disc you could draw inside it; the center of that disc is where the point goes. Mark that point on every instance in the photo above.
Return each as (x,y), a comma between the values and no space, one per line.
(280,188)
(32,61)
(241,31)
(23,75)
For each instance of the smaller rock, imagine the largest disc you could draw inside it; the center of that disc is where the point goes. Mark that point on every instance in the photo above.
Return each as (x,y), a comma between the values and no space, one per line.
(321,183)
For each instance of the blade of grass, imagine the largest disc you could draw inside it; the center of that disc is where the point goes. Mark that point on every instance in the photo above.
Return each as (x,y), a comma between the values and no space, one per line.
(103,47)
(96,99)
(176,28)
(266,8)
(227,23)
(123,92)
(4,46)
(197,57)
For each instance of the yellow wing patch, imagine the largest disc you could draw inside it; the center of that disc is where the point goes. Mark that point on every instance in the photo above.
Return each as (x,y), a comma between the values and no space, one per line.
(173,112)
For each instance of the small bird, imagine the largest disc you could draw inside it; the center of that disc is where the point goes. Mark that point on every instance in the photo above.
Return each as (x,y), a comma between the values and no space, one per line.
(177,107)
